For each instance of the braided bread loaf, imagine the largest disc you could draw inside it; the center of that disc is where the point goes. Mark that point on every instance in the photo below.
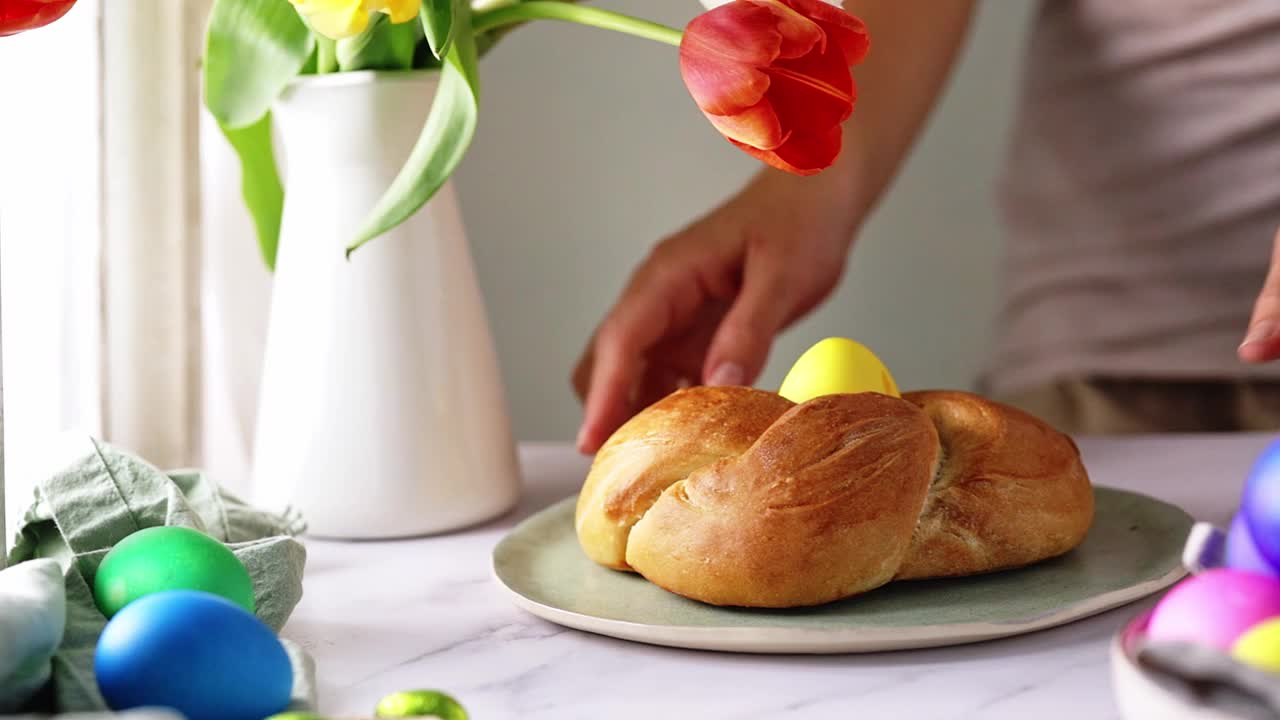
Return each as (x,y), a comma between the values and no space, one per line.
(735,496)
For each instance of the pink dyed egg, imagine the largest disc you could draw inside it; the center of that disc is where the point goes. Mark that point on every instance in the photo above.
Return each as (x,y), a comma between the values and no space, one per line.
(1215,608)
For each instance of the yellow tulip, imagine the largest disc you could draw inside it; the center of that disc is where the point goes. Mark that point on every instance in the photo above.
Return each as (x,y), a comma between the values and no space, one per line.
(399,10)
(339,19)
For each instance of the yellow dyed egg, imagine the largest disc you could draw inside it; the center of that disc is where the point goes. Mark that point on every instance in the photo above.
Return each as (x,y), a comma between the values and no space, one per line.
(1260,646)
(836,366)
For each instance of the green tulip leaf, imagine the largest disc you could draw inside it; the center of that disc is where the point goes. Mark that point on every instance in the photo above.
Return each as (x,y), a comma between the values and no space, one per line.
(253,49)
(438,18)
(446,135)
(259,182)
(383,45)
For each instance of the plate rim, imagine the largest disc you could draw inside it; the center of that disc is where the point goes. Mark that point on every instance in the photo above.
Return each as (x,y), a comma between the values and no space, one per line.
(827,640)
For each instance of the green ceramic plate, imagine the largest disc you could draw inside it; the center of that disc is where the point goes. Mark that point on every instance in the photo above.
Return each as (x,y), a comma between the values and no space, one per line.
(1132,551)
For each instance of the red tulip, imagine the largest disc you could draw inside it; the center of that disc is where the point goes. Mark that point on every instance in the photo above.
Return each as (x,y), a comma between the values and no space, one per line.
(775,78)
(19,15)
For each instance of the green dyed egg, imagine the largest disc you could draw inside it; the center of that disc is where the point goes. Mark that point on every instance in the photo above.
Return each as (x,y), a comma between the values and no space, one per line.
(169,558)
(421,703)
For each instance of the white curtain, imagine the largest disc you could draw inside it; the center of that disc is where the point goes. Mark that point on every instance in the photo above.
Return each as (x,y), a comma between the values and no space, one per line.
(99,237)
(151,251)
(50,235)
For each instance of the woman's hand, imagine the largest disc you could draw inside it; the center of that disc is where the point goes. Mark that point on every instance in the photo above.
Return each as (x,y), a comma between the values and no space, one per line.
(1262,341)
(706,304)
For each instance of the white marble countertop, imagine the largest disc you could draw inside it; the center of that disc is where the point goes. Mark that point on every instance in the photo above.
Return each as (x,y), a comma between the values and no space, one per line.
(379,617)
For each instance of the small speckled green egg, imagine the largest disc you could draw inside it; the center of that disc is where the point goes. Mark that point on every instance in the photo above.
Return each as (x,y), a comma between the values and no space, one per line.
(169,558)
(421,703)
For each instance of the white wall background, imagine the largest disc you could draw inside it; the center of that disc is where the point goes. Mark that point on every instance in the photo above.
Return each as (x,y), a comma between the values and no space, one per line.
(590,151)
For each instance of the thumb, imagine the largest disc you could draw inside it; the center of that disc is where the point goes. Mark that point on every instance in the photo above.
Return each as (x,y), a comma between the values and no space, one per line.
(1262,342)
(740,346)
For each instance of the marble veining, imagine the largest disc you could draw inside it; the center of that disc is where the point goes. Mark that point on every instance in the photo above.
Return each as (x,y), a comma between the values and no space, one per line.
(379,617)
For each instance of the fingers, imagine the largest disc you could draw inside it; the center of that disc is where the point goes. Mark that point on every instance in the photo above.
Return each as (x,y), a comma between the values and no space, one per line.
(741,345)
(1262,341)
(659,381)
(609,376)
(614,374)
(581,379)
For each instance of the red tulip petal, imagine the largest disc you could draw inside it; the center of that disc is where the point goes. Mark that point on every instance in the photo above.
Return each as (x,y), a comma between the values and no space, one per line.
(773,76)
(740,31)
(724,89)
(812,94)
(770,157)
(756,126)
(721,52)
(847,31)
(799,33)
(20,15)
(811,153)
(853,41)
(800,155)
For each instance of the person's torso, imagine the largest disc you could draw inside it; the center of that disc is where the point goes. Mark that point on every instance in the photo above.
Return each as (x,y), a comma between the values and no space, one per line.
(1141,192)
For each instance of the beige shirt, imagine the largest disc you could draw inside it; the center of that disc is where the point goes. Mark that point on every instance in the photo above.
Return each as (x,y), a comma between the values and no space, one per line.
(1142,191)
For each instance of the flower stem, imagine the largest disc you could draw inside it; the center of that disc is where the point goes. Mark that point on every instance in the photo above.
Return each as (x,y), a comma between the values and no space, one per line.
(582,15)
(326,55)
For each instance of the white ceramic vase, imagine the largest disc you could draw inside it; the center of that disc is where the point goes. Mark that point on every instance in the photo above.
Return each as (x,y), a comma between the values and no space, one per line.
(382,411)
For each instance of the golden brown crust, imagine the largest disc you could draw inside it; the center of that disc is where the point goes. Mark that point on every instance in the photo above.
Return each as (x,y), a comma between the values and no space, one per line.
(821,507)
(734,496)
(662,444)
(1011,491)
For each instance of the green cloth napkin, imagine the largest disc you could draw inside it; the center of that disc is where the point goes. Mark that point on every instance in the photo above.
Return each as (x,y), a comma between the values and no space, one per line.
(82,512)
(33,609)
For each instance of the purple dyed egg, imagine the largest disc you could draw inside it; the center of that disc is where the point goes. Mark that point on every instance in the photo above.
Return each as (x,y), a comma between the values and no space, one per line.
(1260,504)
(1242,552)
(1215,607)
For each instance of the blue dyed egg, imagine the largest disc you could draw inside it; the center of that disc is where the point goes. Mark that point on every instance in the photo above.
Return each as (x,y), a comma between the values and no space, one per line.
(1242,552)
(1260,504)
(196,653)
